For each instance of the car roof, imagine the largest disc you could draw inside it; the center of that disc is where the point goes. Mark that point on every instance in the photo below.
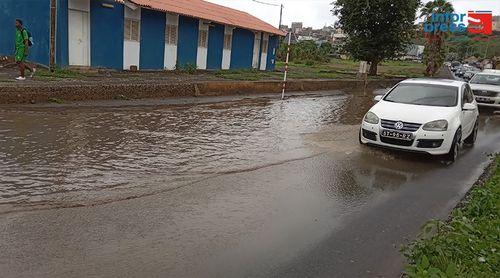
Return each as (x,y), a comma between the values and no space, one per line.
(432,81)
(491,72)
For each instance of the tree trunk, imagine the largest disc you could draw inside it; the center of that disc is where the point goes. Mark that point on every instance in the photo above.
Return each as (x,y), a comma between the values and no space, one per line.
(373,68)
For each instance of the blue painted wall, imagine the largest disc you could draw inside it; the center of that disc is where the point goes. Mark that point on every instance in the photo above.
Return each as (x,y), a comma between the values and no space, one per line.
(187,46)
(271,54)
(36,17)
(62,50)
(242,50)
(106,34)
(215,46)
(152,40)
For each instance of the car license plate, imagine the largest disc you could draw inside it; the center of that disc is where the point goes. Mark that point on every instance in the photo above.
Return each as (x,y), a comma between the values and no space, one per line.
(397,135)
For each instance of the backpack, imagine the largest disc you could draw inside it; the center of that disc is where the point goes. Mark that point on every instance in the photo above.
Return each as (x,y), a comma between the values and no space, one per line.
(30,37)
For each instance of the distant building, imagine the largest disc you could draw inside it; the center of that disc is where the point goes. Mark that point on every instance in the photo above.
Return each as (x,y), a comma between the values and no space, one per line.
(297,27)
(142,34)
(306,38)
(496,23)
(414,52)
(338,35)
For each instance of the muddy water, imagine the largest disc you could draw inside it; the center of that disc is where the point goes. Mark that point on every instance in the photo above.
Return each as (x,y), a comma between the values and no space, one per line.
(59,155)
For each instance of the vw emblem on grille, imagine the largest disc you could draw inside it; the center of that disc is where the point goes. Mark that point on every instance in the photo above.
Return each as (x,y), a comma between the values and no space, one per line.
(399,125)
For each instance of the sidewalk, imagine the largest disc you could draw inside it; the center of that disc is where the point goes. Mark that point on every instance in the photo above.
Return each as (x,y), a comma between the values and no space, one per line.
(66,86)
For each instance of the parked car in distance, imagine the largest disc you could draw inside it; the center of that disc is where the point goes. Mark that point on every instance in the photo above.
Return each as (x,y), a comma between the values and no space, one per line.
(431,116)
(462,70)
(454,66)
(470,73)
(486,88)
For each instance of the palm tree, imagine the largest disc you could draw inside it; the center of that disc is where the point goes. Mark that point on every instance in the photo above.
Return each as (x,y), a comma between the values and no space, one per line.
(435,53)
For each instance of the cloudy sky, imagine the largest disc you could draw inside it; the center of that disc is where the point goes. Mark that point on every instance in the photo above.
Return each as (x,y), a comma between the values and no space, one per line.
(316,13)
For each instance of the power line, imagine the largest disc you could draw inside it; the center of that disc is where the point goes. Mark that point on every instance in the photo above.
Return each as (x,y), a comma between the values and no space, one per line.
(265,3)
(274,5)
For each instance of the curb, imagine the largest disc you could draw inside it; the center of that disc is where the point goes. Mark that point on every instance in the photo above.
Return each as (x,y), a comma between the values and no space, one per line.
(86,92)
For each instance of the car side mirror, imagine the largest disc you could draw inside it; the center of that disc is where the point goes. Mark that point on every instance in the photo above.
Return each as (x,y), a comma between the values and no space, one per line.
(469,106)
(377,98)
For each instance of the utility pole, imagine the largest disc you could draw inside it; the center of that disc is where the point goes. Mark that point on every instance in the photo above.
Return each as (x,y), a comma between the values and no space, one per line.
(274,5)
(53,30)
(281,15)
(487,47)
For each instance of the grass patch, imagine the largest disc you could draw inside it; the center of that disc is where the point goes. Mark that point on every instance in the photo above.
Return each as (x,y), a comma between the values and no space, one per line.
(56,100)
(468,245)
(248,75)
(335,69)
(58,74)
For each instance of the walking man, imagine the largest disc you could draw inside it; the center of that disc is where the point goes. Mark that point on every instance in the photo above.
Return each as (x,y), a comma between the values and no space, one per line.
(22,50)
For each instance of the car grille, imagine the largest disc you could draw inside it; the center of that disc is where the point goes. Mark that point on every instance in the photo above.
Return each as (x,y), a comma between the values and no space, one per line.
(487,101)
(411,127)
(485,93)
(397,142)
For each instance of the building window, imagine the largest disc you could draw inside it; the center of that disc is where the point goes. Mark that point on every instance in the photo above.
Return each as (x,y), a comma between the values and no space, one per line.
(265,46)
(171,34)
(228,41)
(132,30)
(203,39)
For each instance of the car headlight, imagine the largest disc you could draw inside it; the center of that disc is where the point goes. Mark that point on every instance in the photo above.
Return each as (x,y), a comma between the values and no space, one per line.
(371,118)
(440,125)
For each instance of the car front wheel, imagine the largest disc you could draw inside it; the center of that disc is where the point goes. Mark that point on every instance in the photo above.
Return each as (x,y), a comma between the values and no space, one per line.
(452,155)
(471,140)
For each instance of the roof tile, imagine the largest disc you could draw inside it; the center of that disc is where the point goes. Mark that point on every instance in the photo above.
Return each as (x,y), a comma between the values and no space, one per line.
(210,12)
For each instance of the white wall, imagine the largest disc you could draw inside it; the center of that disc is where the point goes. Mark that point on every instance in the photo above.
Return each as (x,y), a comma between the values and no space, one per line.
(256,50)
(263,58)
(132,49)
(171,49)
(226,53)
(201,58)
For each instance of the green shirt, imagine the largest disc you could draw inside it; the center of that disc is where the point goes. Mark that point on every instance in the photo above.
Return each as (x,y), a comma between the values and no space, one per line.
(21,38)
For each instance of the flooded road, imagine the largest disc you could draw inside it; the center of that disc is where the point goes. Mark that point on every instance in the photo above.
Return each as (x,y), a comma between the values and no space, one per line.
(251,187)
(55,156)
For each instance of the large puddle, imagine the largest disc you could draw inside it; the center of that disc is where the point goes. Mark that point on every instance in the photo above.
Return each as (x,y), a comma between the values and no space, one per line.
(54,154)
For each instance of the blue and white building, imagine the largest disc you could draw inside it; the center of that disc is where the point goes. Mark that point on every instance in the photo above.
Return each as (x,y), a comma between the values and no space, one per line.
(142,34)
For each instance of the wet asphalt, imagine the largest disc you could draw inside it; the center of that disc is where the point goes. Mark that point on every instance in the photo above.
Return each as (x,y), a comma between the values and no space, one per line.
(226,187)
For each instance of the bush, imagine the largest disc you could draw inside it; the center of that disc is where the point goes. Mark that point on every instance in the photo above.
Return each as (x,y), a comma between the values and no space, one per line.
(307,52)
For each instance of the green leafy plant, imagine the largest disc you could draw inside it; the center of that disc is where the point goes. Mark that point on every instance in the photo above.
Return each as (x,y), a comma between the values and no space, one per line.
(465,246)
(187,68)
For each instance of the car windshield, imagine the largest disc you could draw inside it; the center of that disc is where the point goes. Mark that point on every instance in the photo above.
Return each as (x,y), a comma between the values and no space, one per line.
(424,94)
(487,79)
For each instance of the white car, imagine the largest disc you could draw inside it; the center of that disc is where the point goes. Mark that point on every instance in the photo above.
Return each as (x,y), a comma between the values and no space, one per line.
(486,88)
(423,115)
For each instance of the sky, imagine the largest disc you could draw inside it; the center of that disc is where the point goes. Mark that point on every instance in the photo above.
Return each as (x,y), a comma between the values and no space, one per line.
(316,13)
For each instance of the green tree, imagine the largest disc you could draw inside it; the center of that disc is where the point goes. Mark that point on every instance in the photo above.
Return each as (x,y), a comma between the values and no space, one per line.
(376,29)
(435,49)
